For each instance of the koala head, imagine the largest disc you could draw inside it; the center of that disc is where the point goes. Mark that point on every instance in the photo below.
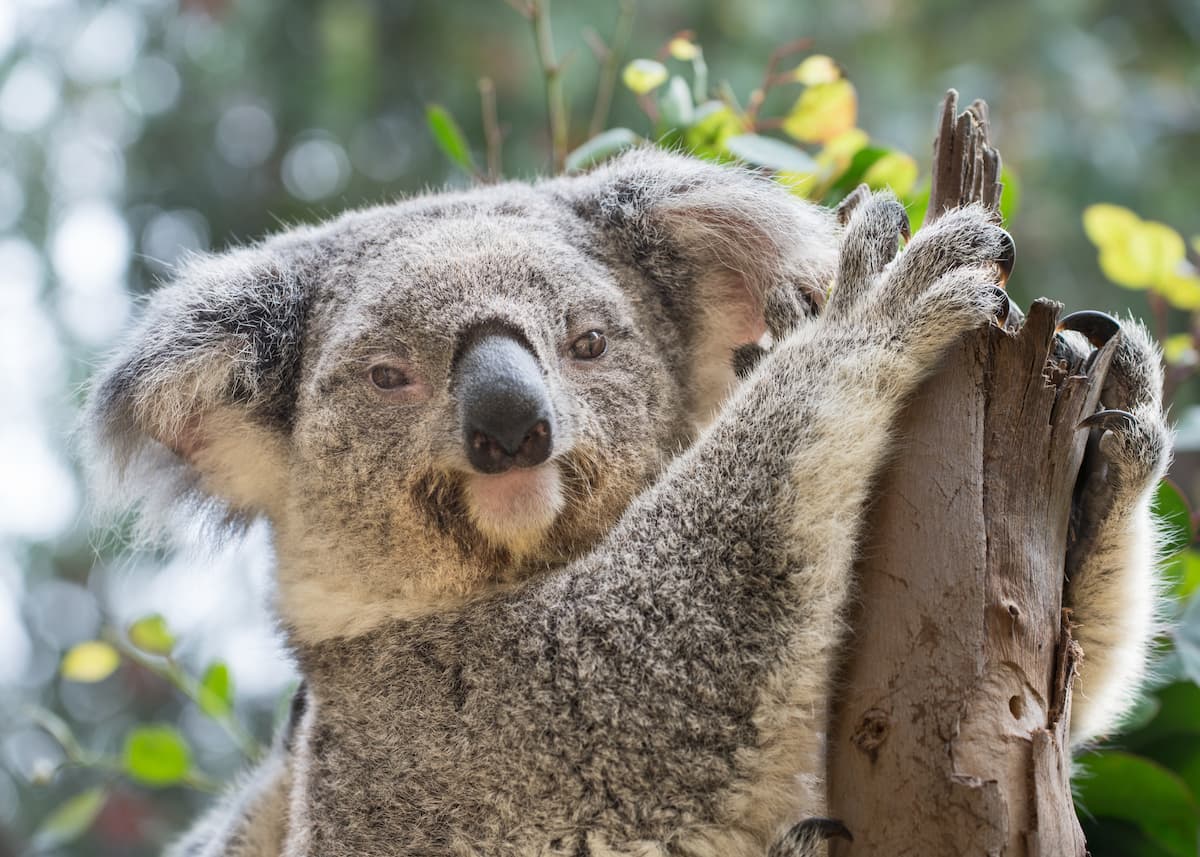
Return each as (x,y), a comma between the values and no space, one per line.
(434,398)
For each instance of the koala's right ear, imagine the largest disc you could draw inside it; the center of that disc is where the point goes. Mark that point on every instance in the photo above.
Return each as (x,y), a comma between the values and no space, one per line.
(197,404)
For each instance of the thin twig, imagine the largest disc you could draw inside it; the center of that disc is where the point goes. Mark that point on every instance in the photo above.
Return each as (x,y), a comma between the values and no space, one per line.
(492,135)
(771,78)
(607,82)
(556,105)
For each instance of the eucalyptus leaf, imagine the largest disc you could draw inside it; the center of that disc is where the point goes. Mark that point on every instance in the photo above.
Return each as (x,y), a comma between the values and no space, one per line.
(156,756)
(449,137)
(675,106)
(70,820)
(1122,785)
(151,635)
(601,147)
(216,691)
(770,153)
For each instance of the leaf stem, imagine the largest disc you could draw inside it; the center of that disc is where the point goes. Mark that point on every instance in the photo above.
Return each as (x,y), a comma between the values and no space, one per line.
(556,105)
(492,135)
(610,67)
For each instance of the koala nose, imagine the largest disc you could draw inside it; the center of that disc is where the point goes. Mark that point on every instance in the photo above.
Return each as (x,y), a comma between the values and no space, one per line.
(504,406)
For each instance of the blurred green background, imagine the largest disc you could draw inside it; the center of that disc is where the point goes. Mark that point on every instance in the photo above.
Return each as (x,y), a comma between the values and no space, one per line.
(134,132)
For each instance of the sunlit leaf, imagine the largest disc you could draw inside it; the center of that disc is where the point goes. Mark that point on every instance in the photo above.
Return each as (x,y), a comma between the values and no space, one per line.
(601,147)
(683,49)
(1121,785)
(1106,224)
(448,136)
(151,635)
(216,691)
(70,820)
(712,124)
(823,112)
(675,106)
(838,152)
(1174,518)
(90,662)
(894,170)
(919,205)
(156,756)
(770,153)
(1181,291)
(644,76)
(1159,248)
(817,69)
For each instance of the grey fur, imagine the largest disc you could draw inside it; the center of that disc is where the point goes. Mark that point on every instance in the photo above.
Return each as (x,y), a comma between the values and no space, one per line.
(648,673)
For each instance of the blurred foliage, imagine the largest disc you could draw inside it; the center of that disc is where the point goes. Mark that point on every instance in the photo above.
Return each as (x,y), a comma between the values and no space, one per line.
(136,131)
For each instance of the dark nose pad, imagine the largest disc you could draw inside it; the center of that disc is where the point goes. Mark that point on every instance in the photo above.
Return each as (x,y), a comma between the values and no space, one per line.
(504,406)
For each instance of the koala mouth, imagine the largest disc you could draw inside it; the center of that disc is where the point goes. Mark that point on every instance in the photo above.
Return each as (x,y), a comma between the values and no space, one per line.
(516,509)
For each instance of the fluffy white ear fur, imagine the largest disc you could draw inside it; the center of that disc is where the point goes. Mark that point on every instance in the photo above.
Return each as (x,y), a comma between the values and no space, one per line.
(188,413)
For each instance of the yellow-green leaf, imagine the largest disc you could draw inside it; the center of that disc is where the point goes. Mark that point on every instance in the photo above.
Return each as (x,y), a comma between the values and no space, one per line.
(895,170)
(151,635)
(1158,248)
(822,112)
(643,76)
(70,820)
(216,691)
(683,49)
(90,662)
(1120,266)
(1182,291)
(817,69)
(448,136)
(1180,349)
(156,756)
(712,124)
(1106,224)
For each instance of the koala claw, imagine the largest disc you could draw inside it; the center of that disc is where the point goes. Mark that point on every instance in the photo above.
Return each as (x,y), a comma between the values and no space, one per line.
(1111,419)
(804,838)
(1007,257)
(1098,327)
(828,828)
(1003,306)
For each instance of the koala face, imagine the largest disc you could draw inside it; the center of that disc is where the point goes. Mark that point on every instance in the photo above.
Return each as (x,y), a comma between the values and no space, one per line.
(431,399)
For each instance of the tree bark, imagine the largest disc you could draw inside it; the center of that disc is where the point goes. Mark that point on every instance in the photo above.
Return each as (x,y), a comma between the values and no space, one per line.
(949,734)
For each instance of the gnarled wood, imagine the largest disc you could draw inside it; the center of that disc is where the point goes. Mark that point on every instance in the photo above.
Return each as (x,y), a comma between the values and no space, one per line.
(949,736)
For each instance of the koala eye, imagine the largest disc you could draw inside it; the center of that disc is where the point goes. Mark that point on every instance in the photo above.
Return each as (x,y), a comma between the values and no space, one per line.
(387,377)
(589,346)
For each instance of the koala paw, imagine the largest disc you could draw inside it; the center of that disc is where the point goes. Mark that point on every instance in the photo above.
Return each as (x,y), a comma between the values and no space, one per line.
(946,281)
(805,839)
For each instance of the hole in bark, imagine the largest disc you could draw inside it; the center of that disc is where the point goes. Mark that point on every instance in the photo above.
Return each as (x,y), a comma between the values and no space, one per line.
(1017,706)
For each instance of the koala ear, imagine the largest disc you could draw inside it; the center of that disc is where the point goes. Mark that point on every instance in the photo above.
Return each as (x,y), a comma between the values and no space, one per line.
(731,253)
(197,404)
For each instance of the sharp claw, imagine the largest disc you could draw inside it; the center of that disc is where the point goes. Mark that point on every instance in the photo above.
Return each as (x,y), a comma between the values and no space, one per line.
(1007,257)
(905,228)
(1004,307)
(828,828)
(1098,327)
(1109,420)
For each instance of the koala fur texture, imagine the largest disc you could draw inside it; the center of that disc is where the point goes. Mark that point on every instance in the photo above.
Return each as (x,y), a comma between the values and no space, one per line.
(618,639)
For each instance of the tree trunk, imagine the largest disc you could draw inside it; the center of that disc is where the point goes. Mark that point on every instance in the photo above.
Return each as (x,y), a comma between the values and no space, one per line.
(949,735)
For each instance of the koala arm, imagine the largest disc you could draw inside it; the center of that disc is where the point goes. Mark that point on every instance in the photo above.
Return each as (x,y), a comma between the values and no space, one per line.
(1113,583)
(249,821)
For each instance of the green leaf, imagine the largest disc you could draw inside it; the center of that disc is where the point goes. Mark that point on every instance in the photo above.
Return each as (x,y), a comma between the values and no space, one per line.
(1174,516)
(644,76)
(1010,195)
(1178,704)
(1186,635)
(683,49)
(675,107)
(1182,571)
(894,170)
(1108,224)
(1180,350)
(156,756)
(712,124)
(90,662)
(70,820)
(601,147)
(449,137)
(151,635)
(770,153)
(215,696)
(1121,785)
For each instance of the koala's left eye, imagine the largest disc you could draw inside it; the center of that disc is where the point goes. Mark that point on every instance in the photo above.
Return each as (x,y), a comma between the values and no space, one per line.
(589,346)
(387,377)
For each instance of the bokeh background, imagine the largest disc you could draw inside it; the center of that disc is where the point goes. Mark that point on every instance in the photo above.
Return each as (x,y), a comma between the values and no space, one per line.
(136,131)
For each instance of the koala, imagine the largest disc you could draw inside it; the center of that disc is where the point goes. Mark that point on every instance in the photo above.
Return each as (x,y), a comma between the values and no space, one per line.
(557,582)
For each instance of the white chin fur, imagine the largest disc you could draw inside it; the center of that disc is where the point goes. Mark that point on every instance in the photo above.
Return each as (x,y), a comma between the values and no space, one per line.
(515,509)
